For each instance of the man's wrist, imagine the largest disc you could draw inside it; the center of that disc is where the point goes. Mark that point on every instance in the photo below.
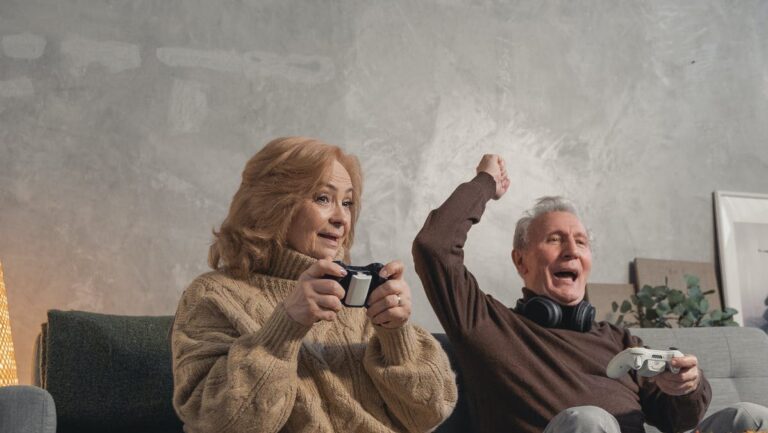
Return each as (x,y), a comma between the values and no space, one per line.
(486,179)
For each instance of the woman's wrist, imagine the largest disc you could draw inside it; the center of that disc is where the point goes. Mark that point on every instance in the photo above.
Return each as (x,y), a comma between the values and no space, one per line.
(398,345)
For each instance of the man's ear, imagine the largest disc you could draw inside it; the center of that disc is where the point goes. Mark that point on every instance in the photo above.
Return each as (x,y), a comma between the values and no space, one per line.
(517,259)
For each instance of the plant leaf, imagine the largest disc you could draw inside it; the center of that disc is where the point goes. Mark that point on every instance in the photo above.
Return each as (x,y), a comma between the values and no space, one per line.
(661,291)
(694,292)
(676,297)
(645,300)
(626,306)
(679,309)
(704,305)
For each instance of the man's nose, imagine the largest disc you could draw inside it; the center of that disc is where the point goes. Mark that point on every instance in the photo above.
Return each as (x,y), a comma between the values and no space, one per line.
(570,249)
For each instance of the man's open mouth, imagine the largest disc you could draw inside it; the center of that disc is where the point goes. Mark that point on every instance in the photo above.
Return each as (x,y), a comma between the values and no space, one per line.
(572,275)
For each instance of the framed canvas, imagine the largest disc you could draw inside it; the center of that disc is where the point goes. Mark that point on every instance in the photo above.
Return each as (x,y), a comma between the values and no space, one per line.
(602,295)
(742,238)
(655,272)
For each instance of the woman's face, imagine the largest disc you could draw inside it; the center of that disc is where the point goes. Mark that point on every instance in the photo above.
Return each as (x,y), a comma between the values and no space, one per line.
(322,223)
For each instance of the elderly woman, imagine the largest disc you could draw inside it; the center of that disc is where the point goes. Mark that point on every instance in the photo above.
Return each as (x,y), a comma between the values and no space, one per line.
(264,344)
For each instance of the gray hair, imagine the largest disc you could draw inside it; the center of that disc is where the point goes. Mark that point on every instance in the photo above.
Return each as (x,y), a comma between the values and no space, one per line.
(543,205)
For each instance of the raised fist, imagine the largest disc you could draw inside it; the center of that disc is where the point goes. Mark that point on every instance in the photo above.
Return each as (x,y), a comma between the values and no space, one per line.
(494,165)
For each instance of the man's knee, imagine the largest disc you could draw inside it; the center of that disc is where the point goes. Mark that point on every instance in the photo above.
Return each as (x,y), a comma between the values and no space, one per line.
(583,419)
(738,417)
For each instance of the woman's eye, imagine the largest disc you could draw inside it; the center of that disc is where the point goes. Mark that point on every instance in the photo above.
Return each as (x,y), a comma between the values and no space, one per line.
(348,203)
(322,199)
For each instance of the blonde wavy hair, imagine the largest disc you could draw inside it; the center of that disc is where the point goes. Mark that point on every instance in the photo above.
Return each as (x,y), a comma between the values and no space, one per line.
(276,180)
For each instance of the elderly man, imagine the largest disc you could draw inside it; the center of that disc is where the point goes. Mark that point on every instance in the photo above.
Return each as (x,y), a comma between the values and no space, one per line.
(541,366)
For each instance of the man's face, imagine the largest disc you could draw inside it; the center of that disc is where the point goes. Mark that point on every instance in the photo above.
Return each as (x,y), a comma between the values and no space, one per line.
(557,258)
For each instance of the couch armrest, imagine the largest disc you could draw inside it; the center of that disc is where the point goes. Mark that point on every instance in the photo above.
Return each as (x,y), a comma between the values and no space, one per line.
(26,409)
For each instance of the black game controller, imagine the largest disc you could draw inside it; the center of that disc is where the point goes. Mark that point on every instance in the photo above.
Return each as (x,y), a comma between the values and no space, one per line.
(359,282)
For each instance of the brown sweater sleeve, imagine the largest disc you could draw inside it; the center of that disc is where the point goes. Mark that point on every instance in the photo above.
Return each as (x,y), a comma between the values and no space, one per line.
(439,257)
(670,413)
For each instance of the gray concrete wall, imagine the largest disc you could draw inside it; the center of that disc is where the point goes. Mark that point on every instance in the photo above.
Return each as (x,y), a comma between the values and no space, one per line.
(124,126)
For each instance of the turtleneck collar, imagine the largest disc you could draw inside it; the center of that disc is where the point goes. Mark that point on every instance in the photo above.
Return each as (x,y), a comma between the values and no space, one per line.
(288,264)
(528,294)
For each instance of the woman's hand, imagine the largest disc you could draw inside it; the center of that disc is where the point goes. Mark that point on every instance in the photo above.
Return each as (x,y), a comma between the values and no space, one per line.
(314,297)
(390,304)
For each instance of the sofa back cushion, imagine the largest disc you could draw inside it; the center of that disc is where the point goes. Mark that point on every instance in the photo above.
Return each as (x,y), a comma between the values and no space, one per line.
(113,373)
(459,421)
(109,373)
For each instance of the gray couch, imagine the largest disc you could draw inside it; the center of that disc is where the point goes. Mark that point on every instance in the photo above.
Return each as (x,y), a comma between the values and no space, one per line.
(734,360)
(113,373)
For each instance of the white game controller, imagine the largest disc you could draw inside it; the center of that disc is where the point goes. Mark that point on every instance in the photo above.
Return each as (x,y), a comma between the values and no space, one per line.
(647,362)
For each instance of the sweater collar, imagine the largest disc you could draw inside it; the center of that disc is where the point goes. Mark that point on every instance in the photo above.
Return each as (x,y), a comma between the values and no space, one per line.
(288,263)
(528,294)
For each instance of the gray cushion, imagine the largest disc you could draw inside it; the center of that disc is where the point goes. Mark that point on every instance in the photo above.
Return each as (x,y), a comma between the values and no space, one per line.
(26,409)
(109,373)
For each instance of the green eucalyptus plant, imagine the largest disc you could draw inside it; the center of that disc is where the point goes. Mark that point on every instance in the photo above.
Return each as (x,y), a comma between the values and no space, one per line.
(662,306)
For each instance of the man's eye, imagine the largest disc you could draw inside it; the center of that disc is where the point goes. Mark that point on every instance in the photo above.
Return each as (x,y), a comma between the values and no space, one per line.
(554,239)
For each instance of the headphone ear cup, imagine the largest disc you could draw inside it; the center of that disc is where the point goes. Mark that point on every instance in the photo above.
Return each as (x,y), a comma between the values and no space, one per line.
(543,311)
(581,317)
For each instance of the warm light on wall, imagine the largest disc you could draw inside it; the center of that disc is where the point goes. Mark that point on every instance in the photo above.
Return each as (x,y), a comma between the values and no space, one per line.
(8,375)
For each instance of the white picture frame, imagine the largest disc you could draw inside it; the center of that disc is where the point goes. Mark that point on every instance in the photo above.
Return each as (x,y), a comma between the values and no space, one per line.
(742,238)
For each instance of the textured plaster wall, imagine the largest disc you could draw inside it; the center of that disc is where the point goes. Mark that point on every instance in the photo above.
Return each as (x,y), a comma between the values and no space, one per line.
(124,126)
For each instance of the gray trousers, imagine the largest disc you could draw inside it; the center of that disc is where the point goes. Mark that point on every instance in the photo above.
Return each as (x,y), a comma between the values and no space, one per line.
(591,419)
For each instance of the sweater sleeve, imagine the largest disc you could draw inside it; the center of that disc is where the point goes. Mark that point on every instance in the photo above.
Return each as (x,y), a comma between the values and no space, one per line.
(413,375)
(670,413)
(227,380)
(438,256)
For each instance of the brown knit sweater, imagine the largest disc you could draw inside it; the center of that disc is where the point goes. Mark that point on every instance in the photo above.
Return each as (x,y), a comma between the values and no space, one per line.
(241,364)
(519,375)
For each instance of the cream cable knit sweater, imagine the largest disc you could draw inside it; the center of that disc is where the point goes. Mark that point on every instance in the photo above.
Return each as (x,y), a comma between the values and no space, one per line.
(241,364)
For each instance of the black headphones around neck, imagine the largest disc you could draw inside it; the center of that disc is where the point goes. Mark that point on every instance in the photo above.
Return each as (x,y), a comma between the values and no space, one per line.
(550,314)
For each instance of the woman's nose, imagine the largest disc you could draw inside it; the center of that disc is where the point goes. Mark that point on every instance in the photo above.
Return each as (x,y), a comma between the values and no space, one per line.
(339,216)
